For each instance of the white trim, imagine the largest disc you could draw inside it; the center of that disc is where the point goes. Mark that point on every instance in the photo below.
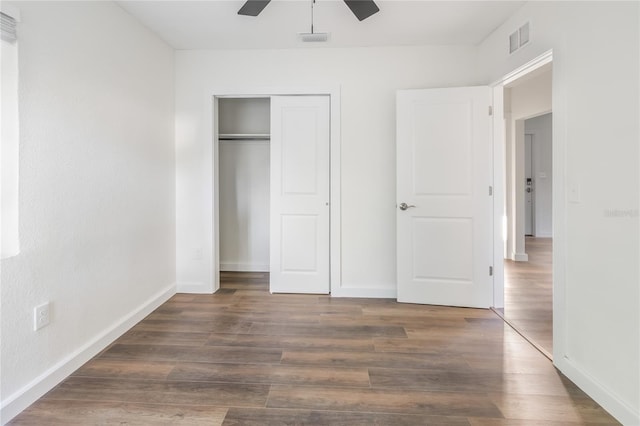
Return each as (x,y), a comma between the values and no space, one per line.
(520,257)
(532,65)
(32,391)
(559,214)
(622,411)
(499,158)
(244,267)
(211,169)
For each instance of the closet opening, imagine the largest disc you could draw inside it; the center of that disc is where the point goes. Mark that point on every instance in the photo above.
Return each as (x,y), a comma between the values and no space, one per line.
(243,178)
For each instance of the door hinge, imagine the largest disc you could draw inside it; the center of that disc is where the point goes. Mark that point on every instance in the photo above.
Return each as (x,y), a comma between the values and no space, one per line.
(490,271)
(490,190)
(490,110)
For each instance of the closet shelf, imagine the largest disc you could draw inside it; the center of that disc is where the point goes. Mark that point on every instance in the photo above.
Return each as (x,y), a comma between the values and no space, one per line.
(243,136)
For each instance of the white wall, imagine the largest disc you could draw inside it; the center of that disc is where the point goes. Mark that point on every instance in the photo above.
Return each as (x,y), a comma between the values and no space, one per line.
(596,187)
(368,79)
(244,205)
(97,203)
(541,129)
(244,115)
(532,96)
(9,134)
(244,185)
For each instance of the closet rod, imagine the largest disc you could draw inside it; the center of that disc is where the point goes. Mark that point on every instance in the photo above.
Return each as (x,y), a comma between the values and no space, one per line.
(244,136)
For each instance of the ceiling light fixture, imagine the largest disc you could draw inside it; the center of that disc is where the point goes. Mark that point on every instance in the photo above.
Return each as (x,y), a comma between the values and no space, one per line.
(312,36)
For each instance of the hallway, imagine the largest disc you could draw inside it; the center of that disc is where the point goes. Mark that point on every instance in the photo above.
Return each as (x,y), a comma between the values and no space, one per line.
(528,295)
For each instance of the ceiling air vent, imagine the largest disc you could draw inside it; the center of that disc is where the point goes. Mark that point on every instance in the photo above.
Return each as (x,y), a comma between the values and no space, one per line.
(519,38)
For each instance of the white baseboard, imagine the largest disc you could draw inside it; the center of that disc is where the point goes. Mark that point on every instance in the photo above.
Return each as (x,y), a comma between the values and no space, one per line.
(374,293)
(243,267)
(520,257)
(618,408)
(194,287)
(544,235)
(31,392)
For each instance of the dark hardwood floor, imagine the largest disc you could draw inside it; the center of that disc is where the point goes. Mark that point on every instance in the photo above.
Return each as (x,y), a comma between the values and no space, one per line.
(528,296)
(246,357)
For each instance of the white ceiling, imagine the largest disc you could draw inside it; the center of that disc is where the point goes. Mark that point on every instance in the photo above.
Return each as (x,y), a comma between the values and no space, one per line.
(215,24)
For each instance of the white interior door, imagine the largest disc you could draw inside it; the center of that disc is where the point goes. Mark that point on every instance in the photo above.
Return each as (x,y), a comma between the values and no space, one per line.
(444,227)
(299,248)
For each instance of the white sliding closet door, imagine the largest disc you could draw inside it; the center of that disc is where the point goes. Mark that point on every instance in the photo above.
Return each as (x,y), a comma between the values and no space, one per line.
(299,248)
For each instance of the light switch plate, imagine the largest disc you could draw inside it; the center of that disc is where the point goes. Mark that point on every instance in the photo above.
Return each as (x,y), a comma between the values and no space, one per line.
(574,192)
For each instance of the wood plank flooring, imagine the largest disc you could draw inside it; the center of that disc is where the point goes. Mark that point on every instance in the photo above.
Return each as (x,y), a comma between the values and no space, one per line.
(528,296)
(246,357)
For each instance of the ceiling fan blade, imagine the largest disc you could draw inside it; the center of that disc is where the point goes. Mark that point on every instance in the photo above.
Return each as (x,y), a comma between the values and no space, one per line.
(253,7)
(362,8)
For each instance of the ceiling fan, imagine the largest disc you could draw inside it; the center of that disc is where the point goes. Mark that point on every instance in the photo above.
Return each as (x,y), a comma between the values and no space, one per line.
(361,8)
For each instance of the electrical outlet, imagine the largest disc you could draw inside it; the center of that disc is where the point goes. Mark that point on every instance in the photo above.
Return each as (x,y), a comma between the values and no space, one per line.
(41,316)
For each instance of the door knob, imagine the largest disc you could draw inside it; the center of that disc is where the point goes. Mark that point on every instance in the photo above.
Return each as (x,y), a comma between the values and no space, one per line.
(405,206)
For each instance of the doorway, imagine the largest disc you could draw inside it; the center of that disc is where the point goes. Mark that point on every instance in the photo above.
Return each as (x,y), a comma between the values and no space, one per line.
(243,187)
(527,295)
(243,172)
(529,284)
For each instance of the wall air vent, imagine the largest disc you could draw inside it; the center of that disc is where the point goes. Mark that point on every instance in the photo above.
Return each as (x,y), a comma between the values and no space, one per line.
(514,42)
(519,38)
(8,27)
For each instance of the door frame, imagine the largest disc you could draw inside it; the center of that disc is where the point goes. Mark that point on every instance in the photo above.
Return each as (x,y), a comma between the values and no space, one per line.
(212,212)
(558,202)
(499,171)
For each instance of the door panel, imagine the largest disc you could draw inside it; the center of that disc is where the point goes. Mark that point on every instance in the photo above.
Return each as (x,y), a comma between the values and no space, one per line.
(444,236)
(443,168)
(299,139)
(300,230)
(441,262)
(299,220)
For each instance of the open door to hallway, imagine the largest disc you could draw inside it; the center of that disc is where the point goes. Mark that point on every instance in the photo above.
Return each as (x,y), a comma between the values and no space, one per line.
(444,207)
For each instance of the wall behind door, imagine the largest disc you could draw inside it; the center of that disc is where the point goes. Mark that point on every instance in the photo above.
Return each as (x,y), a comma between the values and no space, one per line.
(244,185)
(368,79)
(244,205)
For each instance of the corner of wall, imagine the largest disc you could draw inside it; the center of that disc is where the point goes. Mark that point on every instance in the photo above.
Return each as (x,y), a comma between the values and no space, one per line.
(32,391)
(596,390)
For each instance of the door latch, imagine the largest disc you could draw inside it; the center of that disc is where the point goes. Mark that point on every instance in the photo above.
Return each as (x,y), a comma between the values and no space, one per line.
(404,206)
